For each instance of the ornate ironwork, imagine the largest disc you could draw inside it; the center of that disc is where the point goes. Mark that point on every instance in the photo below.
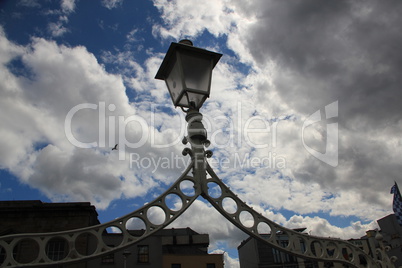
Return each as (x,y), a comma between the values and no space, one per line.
(204,180)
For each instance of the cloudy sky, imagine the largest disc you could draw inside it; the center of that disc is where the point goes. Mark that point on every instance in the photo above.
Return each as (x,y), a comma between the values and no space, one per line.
(304,115)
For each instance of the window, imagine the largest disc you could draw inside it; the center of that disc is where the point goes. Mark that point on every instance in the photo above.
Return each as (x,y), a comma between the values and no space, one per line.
(310,264)
(284,243)
(312,247)
(143,254)
(56,249)
(277,255)
(176,265)
(328,264)
(280,257)
(330,252)
(210,265)
(287,258)
(302,246)
(346,254)
(108,258)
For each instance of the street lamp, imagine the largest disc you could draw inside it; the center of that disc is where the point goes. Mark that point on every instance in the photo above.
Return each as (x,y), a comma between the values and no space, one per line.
(187,71)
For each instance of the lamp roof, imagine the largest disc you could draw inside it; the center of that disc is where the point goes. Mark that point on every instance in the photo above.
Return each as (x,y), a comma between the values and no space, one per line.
(185,46)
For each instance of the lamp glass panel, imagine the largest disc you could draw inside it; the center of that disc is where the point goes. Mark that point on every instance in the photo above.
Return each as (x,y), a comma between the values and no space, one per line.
(174,82)
(197,98)
(197,71)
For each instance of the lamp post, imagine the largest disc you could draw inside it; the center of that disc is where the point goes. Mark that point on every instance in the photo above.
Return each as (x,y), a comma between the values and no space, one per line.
(187,72)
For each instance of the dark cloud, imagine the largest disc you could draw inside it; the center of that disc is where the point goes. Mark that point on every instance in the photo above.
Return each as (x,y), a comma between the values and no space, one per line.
(347,51)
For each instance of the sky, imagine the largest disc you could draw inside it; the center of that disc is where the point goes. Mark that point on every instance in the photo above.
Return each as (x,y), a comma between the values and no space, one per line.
(304,115)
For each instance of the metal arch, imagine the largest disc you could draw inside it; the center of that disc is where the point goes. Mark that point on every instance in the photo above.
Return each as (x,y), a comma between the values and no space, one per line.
(326,249)
(252,226)
(315,248)
(74,254)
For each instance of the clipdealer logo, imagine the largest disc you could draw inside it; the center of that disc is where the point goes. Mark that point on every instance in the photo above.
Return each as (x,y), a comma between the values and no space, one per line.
(115,129)
(330,156)
(237,131)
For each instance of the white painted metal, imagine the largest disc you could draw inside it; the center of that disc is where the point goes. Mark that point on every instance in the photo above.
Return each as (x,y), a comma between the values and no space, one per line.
(202,177)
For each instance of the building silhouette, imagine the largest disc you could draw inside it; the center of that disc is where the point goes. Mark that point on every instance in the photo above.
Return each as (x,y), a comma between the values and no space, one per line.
(37,217)
(168,248)
(391,233)
(256,254)
(253,253)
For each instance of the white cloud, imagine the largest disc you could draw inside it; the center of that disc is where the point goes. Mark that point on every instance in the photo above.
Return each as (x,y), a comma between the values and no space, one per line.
(29,3)
(60,78)
(131,35)
(321,227)
(203,218)
(216,16)
(68,6)
(110,4)
(228,261)
(8,50)
(57,29)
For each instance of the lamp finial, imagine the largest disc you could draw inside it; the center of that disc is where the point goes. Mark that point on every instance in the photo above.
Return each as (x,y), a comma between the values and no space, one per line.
(186,42)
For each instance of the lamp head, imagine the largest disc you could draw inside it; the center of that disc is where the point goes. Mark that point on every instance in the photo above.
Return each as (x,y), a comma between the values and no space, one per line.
(187,72)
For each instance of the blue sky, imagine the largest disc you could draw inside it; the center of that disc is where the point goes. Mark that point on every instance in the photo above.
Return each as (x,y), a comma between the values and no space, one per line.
(304,114)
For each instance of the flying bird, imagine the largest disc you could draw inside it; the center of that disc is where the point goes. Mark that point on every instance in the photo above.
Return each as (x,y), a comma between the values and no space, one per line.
(115,147)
